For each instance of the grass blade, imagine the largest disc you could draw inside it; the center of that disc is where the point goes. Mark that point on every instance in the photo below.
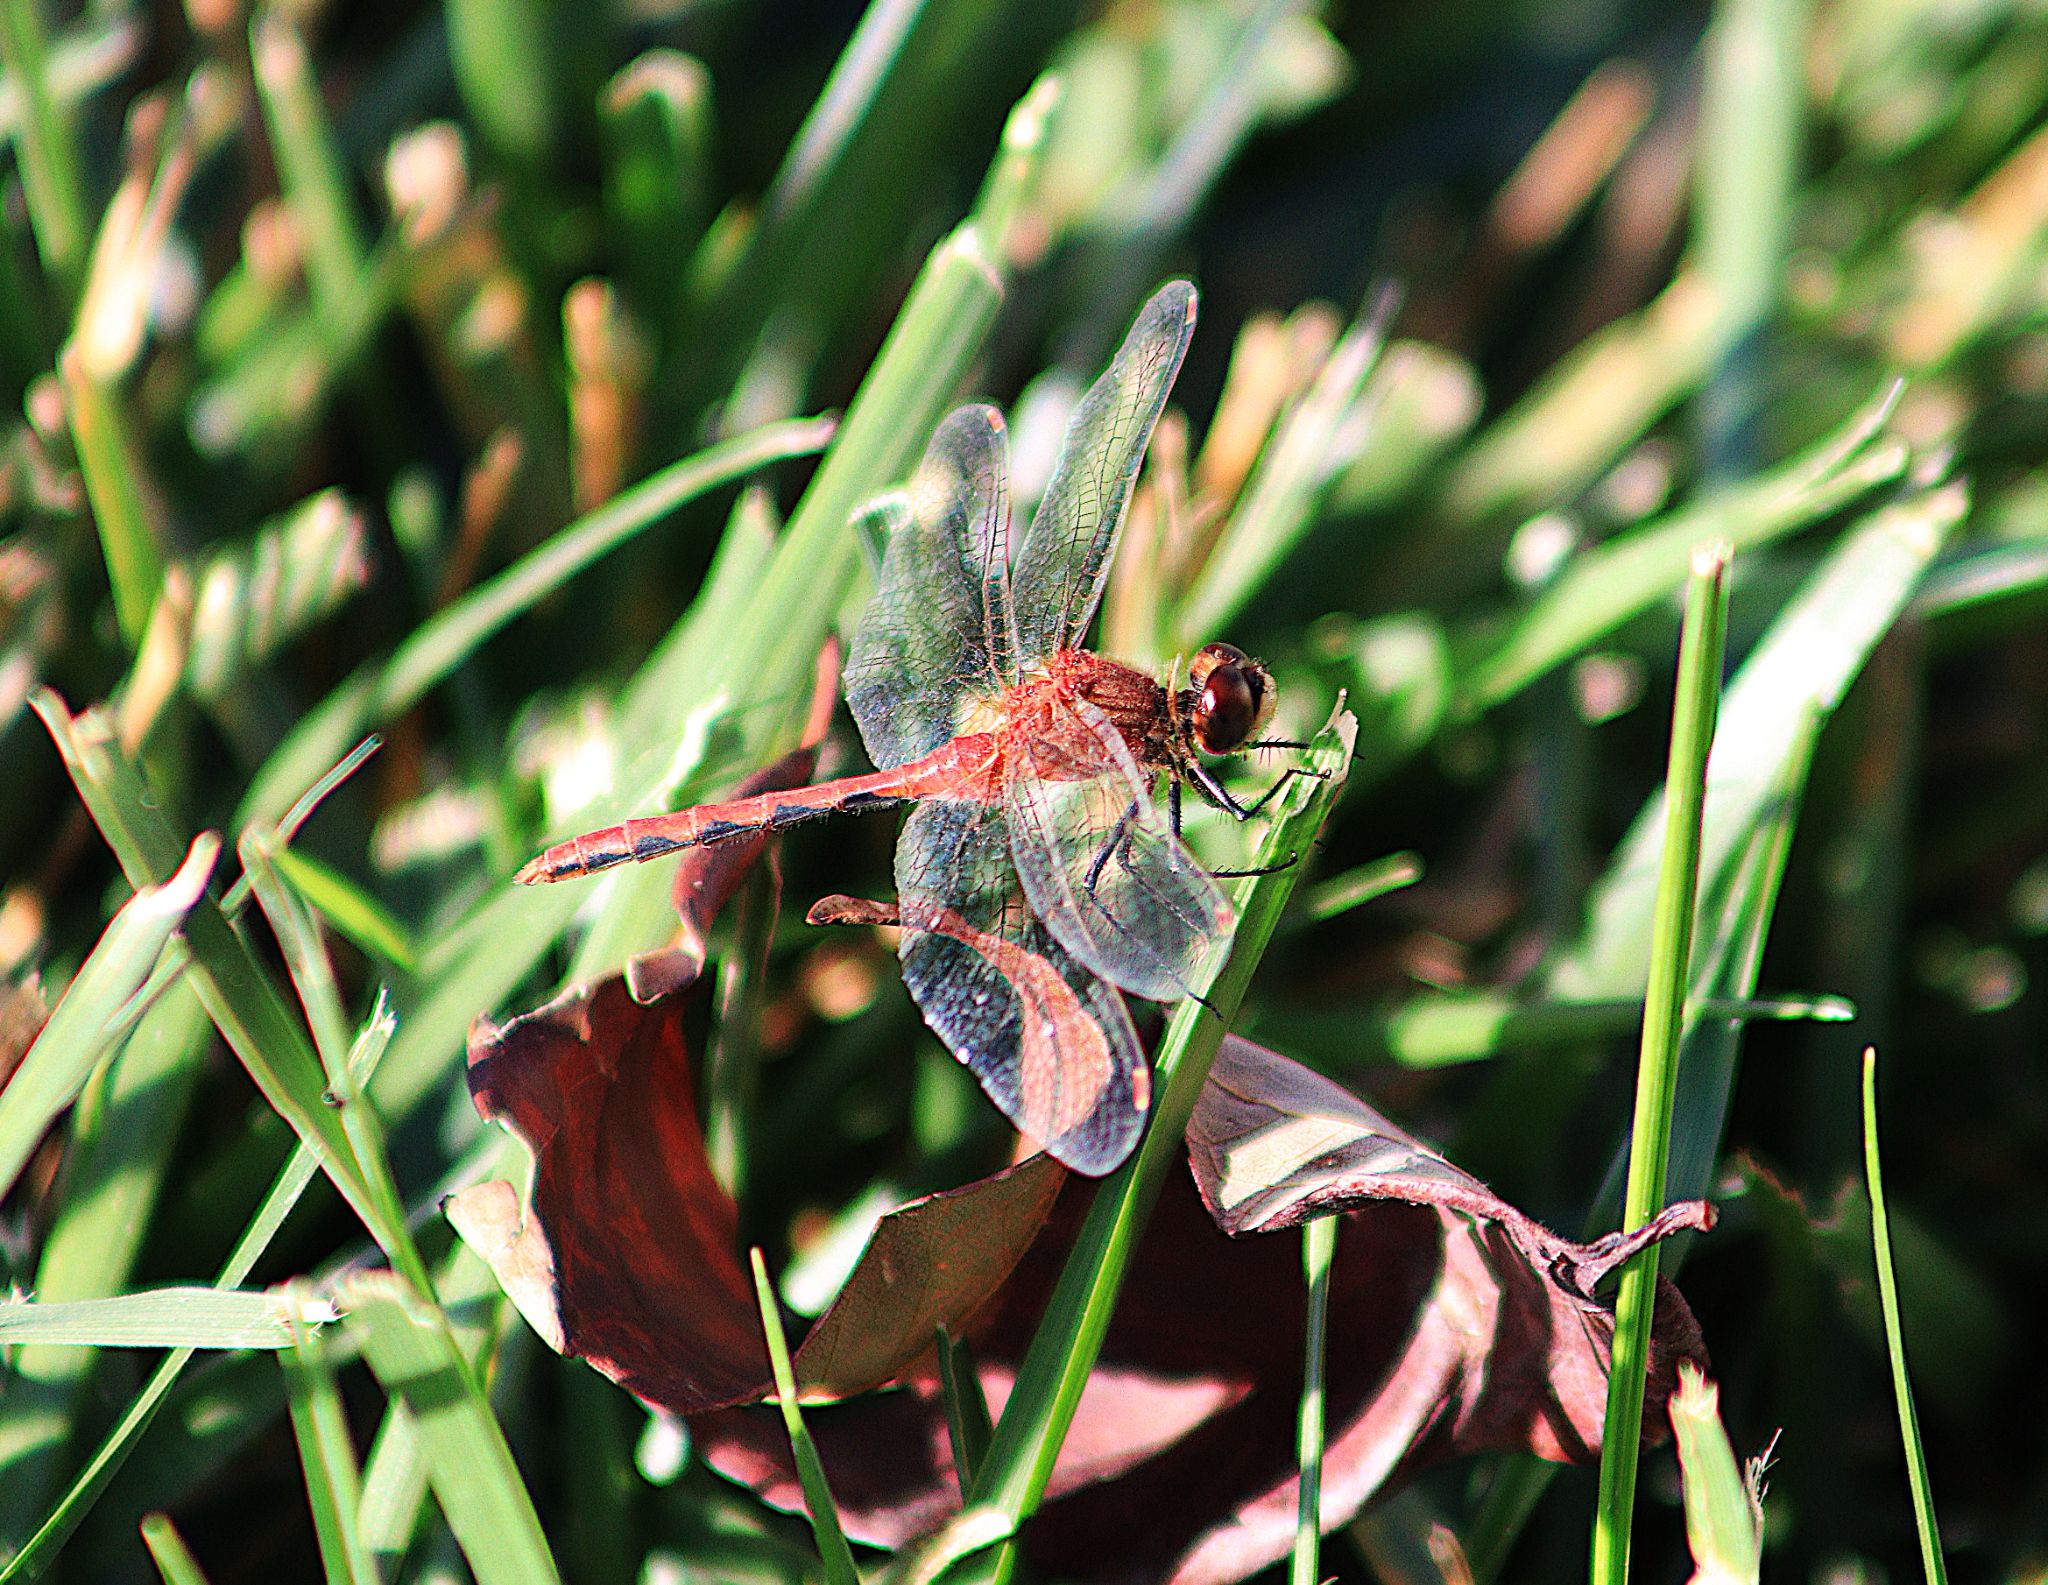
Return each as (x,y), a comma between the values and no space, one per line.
(1318,1251)
(98,1009)
(1753,96)
(161,1318)
(42,1547)
(51,173)
(167,1549)
(968,1426)
(445,640)
(353,912)
(333,1480)
(315,183)
(1620,579)
(1056,1368)
(1692,731)
(239,993)
(836,1555)
(412,1352)
(107,460)
(1931,1563)
(1724,1521)
(1802,667)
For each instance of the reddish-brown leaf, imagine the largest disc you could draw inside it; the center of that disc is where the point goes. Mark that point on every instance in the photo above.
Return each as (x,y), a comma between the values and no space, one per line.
(1457,1325)
(640,1239)
(628,1257)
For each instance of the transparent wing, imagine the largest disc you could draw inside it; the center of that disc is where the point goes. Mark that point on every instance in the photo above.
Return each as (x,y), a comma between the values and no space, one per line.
(1066,552)
(1101,867)
(1051,1043)
(939,624)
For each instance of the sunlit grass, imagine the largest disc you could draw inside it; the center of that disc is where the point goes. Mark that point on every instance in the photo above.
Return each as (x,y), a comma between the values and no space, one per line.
(513,390)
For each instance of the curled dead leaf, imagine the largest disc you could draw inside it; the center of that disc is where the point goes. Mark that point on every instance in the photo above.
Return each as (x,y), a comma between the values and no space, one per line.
(1457,1325)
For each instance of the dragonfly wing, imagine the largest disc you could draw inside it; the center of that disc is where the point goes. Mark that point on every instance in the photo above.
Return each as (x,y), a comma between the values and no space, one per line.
(1102,868)
(1066,552)
(939,625)
(1050,1042)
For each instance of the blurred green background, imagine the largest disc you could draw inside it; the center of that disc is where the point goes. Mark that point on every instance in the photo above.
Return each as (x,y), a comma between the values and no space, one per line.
(441,372)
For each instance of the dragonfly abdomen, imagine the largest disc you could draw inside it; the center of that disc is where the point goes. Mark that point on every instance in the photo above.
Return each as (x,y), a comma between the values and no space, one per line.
(953,771)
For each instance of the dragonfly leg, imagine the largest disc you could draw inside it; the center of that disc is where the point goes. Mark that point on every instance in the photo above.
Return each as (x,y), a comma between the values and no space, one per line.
(1119,837)
(1219,795)
(1263,869)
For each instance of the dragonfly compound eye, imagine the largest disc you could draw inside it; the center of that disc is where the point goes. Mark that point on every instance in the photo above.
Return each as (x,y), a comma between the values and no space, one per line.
(1209,657)
(1235,701)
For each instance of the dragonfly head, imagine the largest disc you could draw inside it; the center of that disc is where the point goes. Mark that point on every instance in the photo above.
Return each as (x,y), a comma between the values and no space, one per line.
(1233,699)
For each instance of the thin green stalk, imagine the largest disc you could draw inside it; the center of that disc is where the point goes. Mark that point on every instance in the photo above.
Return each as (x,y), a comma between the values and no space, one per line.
(1055,1370)
(167,1549)
(1931,1564)
(41,1548)
(334,1480)
(1692,731)
(968,1426)
(1318,1251)
(113,484)
(1752,95)
(314,180)
(832,1548)
(439,645)
(48,144)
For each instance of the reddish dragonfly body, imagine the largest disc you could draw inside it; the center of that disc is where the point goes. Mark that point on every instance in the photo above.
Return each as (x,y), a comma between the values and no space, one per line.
(1035,877)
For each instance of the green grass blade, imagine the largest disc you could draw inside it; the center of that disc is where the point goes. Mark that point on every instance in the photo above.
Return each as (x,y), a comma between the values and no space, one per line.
(445,640)
(315,182)
(414,1355)
(122,1138)
(1931,1563)
(1338,895)
(98,1009)
(333,1480)
(167,1549)
(305,957)
(394,1488)
(1620,579)
(239,993)
(1318,1251)
(1670,949)
(657,125)
(968,1426)
(160,1318)
(1723,1521)
(355,915)
(104,437)
(506,61)
(1801,667)
(51,170)
(1056,1368)
(833,1551)
(41,1548)
(1752,98)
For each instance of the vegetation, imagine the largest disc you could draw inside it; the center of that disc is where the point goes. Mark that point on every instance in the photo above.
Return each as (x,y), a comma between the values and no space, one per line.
(512,384)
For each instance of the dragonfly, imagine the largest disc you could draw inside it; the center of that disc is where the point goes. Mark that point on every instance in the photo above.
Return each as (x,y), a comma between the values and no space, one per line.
(1037,879)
